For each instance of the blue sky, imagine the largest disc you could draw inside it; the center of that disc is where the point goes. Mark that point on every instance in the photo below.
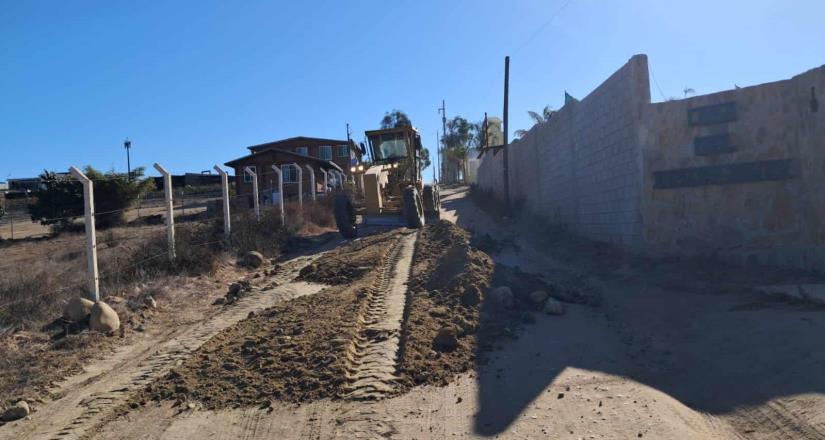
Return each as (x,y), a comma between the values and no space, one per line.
(192,83)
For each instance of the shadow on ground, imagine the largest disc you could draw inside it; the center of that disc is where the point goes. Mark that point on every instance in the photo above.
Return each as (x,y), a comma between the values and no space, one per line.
(695,332)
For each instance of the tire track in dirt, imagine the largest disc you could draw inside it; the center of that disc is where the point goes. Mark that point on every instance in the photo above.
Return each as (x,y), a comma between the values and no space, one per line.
(91,402)
(372,356)
(775,421)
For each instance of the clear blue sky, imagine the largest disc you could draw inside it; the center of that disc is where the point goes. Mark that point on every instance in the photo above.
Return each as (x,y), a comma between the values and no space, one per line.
(192,83)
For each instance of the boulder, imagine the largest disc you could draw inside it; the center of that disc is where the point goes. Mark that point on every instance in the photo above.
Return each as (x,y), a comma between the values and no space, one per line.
(502,297)
(446,339)
(252,259)
(538,296)
(234,289)
(77,309)
(18,411)
(471,296)
(553,307)
(103,318)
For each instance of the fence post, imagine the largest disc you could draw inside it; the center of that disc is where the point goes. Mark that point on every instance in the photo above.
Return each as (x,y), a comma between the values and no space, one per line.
(11,218)
(339,177)
(91,240)
(170,209)
(326,180)
(311,180)
(300,186)
(255,201)
(280,192)
(227,227)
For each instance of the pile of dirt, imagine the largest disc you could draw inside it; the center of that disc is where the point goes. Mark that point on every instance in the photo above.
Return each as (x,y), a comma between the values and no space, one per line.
(295,351)
(446,288)
(292,352)
(351,262)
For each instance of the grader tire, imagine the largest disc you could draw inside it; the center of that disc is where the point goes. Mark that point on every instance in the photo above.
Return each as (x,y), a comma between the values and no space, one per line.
(345,216)
(413,208)
(431,203)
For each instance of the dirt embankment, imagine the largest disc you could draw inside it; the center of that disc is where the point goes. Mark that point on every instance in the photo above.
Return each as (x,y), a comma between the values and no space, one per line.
(350,263)
(447,286)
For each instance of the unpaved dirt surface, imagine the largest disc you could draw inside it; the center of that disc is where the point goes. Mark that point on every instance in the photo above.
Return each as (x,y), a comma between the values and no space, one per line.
(667,350)
(294,351)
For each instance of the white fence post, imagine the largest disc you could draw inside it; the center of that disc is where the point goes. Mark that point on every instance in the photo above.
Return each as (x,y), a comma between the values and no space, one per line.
(227,227)
(255,201)
(91,239)
(170,209)
(311,180)
(326,180)
(300,186)
(280,192)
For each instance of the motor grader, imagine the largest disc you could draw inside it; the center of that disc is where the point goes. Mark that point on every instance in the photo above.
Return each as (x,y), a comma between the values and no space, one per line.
(390,191)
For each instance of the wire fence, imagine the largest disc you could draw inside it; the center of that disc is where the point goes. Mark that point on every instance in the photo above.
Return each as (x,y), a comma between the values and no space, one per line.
(75,263)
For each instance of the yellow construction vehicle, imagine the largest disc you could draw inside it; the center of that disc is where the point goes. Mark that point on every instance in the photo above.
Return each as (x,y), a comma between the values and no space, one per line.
(390,191)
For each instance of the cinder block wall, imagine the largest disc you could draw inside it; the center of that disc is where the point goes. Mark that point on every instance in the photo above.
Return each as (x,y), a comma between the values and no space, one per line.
(747,185)
(582,169)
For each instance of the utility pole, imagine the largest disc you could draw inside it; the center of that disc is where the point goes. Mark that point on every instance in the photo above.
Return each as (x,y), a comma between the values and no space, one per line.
(506,120)
(128,145)
(348,133)
(437,141)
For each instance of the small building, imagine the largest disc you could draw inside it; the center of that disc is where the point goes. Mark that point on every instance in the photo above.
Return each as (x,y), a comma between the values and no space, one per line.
(321,155)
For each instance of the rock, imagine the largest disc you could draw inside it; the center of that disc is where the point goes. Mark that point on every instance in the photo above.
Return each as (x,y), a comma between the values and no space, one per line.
(553,307)
(234,289)
(114,299)
(464,326)
(150,302)
(471,296)
(77,309)
(439,312)
(103,318)
(502,297)
(18,411)
(538,296)
(252,259)
(220,301)
(446,339)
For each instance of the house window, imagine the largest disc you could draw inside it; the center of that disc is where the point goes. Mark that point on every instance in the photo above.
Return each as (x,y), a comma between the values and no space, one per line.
(343,151)
(290,173)
(246,177)
(325,153)
(302,150)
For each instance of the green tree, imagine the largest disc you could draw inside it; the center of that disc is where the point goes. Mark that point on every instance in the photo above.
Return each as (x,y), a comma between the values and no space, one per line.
(61,197)
(425,158)
(395,118)
(457,142)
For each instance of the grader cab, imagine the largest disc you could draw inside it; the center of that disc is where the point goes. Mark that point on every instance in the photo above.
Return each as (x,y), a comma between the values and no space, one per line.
(392,192)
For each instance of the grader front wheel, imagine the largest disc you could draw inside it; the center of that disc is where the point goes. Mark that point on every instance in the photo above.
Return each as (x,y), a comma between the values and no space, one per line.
(413,208)
(345,216)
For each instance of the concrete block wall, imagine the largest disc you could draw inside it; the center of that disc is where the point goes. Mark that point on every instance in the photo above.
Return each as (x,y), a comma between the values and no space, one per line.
(582,169)
(776,222)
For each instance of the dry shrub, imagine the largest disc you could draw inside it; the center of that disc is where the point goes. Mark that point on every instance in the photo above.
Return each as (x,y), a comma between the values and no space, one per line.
(35,295)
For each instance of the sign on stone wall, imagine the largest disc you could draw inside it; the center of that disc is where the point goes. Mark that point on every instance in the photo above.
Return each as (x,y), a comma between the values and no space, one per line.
(712,114)
(762,171)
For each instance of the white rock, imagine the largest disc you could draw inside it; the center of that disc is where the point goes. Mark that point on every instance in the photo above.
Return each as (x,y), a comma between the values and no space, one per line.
(553,307)
(502,296)
(150,302)
(103,318)
(77,309)
(538,296)
(18,411)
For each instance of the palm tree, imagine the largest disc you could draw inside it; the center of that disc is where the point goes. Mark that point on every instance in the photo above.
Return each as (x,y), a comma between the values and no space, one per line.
(538,118)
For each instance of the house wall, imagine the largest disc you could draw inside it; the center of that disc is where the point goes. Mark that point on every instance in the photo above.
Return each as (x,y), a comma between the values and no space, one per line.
(268,179)
(582,169)
(767,212)
(313,148)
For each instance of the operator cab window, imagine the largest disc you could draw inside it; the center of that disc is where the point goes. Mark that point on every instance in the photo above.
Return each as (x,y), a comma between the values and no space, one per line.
(391,146)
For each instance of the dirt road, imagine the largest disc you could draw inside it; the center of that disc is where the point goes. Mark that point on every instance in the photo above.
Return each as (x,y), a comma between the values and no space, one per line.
(674,351)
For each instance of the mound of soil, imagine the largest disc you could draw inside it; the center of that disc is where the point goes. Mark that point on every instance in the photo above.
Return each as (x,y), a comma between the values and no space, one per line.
(349,263)
(445,292)
(292,352)
(295,351)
